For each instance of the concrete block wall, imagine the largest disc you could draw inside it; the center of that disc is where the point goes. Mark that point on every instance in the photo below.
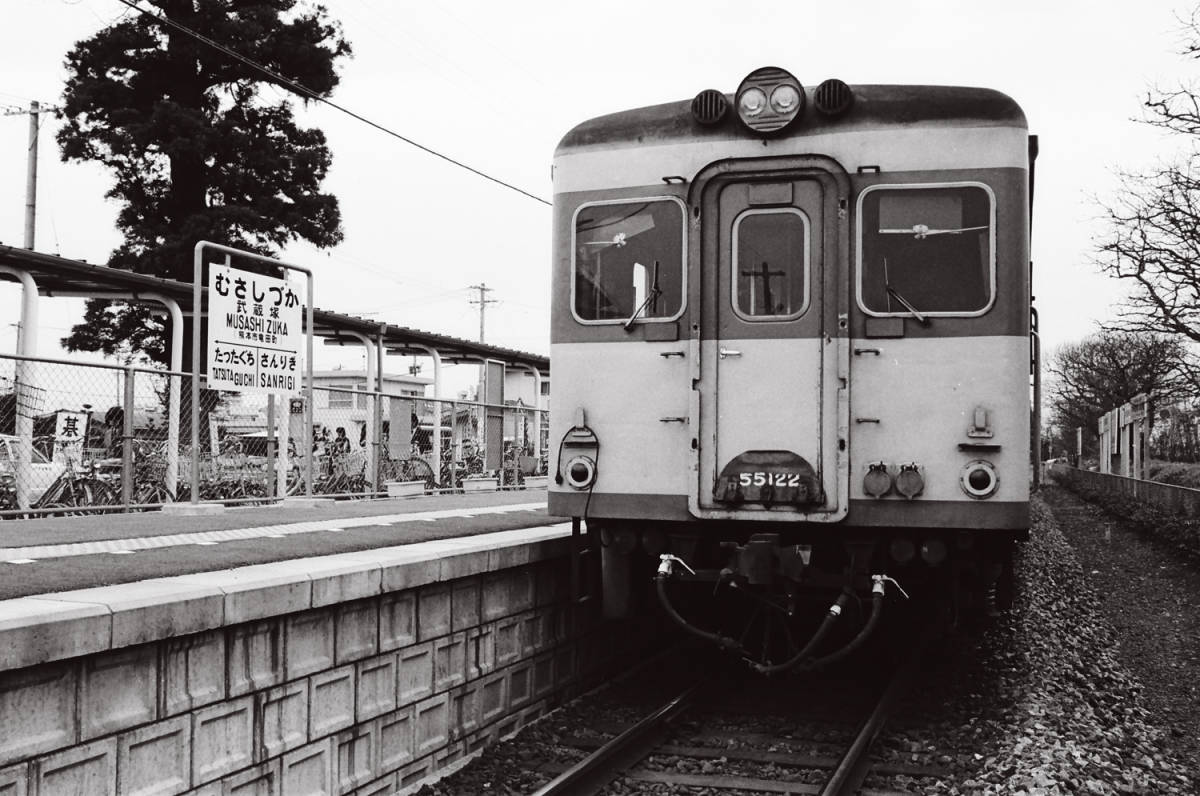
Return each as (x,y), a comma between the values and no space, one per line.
(359,674)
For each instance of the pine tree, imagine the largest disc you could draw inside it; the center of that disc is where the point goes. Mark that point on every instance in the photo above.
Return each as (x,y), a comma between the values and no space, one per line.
(197,148)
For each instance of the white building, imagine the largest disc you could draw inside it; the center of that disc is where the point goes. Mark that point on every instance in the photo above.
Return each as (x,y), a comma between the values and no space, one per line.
(340,397)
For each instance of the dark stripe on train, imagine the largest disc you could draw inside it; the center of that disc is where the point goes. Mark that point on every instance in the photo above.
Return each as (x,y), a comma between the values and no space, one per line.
(975,514)
(1009,314)
(874,107)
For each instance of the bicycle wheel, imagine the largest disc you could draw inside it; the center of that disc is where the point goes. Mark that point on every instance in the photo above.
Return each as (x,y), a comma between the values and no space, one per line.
(53,496)
(419,470)
(389,470)
(295,482)
(95,492)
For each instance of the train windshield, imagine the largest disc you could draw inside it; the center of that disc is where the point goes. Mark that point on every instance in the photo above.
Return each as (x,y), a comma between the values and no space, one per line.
(926,249)
(629,260)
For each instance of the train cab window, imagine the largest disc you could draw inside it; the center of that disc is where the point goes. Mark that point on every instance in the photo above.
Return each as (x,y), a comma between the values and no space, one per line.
(629,258)
(770,264)
(926,249)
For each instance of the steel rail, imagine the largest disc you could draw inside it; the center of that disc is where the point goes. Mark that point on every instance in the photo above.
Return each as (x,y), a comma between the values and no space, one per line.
(591,774)
(852,768)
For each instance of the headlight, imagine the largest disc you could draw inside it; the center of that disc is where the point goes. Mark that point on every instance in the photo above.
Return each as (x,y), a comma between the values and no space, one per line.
(581,472)
(979,479)
(765,115)
(785,99)
(753,102)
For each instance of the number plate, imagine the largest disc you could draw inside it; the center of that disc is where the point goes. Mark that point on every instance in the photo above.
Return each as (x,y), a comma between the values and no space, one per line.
(769,478)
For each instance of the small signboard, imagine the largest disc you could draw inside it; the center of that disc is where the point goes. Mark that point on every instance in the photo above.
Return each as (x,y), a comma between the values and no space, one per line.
(70,431)
(255,337)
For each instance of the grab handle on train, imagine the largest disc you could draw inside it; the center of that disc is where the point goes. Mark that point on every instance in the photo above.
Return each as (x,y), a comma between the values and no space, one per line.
(726,353)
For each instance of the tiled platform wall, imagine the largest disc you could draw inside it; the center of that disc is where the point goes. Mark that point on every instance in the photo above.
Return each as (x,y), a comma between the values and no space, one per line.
(351,695)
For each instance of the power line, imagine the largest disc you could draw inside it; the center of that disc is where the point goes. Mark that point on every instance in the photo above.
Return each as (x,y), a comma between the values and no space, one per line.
(312,95)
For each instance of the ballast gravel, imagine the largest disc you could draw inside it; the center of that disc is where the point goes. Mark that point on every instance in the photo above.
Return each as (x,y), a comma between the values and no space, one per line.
(1039,703)
(1073,718)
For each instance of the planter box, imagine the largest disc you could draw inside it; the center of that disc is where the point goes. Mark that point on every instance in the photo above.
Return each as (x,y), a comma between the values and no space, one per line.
(536,481)
(404,488)
(480,484)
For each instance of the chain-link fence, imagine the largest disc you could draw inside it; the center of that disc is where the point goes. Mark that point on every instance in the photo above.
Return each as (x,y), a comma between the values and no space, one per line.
(78,438)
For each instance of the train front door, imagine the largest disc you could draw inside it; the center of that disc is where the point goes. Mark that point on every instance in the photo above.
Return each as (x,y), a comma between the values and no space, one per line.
(770,347)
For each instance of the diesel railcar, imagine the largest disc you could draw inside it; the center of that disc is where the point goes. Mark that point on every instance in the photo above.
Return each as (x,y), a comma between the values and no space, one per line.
(791,336)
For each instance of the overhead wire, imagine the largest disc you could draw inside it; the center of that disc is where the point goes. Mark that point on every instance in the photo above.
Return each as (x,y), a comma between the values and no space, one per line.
(312,95)
(440,62)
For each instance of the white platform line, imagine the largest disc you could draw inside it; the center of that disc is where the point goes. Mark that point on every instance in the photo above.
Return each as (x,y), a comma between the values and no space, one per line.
(33,553)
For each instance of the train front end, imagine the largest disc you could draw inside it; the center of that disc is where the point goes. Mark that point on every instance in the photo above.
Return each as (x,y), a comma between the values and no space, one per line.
(790,342)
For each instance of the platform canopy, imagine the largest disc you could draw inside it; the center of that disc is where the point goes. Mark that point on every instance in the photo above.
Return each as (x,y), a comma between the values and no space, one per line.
(60,276)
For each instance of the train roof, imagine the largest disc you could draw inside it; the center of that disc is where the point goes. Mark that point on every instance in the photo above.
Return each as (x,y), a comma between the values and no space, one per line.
(875,107)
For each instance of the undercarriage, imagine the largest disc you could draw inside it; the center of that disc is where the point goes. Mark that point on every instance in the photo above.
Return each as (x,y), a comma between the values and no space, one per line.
(788,602)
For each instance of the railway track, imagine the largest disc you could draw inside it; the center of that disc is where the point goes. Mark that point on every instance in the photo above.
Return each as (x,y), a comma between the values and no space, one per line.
(781,736)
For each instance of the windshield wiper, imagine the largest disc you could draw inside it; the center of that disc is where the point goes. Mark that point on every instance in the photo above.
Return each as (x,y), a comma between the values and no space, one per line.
(921,319)
(892,292)
(921,231)
(651,298)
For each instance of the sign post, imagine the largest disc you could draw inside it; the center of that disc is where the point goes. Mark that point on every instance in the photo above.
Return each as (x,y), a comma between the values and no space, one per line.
(254,337)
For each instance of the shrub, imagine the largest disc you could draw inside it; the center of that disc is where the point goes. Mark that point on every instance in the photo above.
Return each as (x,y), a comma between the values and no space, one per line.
(1176,473)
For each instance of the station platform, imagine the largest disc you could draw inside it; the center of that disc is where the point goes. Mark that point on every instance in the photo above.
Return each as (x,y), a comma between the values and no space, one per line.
(57,554)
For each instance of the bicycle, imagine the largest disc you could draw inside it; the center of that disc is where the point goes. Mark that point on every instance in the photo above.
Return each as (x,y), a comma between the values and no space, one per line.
(414,468)
(72,492)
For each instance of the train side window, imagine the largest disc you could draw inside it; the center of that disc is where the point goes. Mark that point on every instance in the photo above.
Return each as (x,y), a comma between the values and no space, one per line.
(770,264)
(629,258)
(928,248)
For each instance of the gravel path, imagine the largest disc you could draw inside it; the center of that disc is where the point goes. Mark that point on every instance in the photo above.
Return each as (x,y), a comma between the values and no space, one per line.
(1150,594)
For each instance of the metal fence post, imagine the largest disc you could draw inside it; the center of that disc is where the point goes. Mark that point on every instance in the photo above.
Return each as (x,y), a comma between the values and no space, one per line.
(127,441)
(455,446)
(272,462)
(24,391)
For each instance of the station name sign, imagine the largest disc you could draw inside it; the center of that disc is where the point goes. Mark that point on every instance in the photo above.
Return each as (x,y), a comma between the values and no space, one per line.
(254,333)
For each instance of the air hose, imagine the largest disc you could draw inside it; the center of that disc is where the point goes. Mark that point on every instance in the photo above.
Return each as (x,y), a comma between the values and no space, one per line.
(877,596)
(665,570)
(827,624)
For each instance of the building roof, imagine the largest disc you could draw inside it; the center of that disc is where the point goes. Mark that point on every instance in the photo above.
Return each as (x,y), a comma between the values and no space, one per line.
(60,276)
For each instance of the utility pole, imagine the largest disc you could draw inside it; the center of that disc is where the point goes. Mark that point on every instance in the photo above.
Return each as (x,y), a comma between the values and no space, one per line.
(482,301)
(35,110)
(31,176)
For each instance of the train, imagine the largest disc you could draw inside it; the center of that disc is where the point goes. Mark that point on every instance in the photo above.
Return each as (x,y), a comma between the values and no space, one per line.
(792,335)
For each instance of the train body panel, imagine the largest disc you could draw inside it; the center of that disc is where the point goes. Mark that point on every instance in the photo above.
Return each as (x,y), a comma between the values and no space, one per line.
(925,413)
(596,167)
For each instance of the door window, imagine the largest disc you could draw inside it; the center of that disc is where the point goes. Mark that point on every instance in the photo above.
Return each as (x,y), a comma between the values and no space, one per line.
(770,264)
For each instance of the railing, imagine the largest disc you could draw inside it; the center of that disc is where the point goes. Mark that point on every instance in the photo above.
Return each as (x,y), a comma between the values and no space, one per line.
(1180,500)
(87,437)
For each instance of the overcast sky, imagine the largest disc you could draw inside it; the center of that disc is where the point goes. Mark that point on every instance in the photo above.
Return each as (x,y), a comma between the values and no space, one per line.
(496,85)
